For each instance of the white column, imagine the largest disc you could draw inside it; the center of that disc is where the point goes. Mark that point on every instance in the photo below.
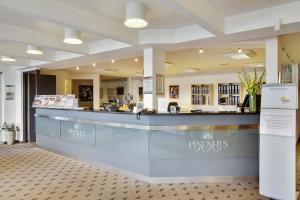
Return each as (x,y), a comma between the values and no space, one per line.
(96,92)
(273,50)
(154,60)
(130,85)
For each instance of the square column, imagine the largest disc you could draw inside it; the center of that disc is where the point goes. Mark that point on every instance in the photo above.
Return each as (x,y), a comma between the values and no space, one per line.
(96,91)
(154,62)
(273,51)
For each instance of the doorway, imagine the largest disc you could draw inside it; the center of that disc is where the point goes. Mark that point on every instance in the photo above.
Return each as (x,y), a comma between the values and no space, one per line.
(34,84)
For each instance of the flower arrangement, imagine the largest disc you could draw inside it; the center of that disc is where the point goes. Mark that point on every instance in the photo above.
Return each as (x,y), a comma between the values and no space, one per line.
(252,85)
(9,132)
(11,127)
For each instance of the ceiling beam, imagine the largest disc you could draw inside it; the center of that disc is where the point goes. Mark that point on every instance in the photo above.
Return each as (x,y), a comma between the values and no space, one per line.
(200,12)
(66,15)
(264,18)
(18,34)
(19,50)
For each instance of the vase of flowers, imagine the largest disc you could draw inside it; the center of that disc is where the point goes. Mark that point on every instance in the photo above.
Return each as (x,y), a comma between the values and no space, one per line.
(252,86)
(8,131)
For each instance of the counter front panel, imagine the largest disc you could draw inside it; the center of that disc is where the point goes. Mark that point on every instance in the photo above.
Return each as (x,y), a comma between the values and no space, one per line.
(187,149)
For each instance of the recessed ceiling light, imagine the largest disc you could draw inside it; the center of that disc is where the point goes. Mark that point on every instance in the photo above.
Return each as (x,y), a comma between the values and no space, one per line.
(201,51)
(72,36)
(136,60)
(77,68)
(7,59)
(135,15)
(191,70)
(112,61)
(34,50)
(239,56)
(240,50)
(94,64)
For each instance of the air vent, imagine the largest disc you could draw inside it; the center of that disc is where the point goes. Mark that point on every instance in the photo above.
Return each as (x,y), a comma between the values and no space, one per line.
(241,55)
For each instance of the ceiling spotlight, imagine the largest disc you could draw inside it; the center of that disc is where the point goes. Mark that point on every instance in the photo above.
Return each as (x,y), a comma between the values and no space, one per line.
(94,64)
(240,50)
(136,60)
(112,61)
(34,50)
(7,59)
(135,15)
(201,51)
(77,68)
(72,36)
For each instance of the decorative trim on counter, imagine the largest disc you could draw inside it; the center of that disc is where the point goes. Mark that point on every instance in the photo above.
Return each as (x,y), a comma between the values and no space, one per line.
(154,128)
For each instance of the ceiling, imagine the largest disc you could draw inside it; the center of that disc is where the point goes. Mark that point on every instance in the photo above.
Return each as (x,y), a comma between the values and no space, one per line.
(177,63)
(235,7)
(173,25)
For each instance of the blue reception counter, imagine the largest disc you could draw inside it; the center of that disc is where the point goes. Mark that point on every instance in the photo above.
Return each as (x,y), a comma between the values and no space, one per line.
(211,146)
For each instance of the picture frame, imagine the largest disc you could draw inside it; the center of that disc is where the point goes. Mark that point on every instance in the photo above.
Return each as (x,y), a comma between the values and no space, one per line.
(174,91)
(160,84)
(85,92)
(120,90)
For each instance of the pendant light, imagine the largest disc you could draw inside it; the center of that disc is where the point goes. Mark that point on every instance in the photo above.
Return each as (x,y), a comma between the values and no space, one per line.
(135,15)
(72,36)
(7,59)
(34,50)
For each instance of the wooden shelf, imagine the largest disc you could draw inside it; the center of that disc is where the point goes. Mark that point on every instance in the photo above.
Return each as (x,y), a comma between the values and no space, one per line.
(229,94)
(202,94)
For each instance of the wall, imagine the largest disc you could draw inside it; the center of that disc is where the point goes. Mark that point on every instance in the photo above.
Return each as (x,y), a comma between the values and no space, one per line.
(10,108)
(75,85)
(185,83)
(61,78)
(113,84)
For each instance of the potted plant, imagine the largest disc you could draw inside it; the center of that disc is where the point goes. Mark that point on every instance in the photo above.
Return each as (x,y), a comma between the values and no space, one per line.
(9,132)
(252,85)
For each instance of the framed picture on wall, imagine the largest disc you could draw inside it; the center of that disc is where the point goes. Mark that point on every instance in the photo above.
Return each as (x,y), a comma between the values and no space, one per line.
(85,92)
(160,84)
(174,91)
(140,91)
(120,90)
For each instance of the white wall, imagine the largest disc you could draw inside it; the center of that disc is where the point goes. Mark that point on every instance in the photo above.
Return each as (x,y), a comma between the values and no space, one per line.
(185,83)
(11,110)
(114,84)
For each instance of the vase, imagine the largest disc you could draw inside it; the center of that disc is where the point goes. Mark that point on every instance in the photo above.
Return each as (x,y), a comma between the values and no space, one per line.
(252,103)
(9,137)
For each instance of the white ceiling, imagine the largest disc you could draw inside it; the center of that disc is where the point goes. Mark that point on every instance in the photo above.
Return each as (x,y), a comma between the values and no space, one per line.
(235,7)
(211,61)
(173,25)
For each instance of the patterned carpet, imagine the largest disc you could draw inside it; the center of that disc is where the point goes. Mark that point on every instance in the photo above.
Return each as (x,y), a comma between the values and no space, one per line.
(27,172)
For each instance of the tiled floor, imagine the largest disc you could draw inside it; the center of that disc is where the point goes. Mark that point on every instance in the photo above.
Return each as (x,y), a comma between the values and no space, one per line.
(27,172)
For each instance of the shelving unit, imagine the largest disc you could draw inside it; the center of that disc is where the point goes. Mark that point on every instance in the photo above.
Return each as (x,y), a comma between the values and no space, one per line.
(229,94)
(202,94)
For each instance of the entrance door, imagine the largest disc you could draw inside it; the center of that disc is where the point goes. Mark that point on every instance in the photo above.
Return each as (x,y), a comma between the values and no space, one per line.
(34,84)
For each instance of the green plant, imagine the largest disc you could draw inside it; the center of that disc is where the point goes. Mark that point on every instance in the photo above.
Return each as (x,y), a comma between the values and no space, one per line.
(252,84)
(9,127)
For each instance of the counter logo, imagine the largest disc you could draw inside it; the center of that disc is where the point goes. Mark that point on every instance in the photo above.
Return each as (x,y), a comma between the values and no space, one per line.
(76,132)
(207,143)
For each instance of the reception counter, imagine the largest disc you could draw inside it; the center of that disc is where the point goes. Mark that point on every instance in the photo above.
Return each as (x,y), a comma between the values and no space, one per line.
(157,147)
